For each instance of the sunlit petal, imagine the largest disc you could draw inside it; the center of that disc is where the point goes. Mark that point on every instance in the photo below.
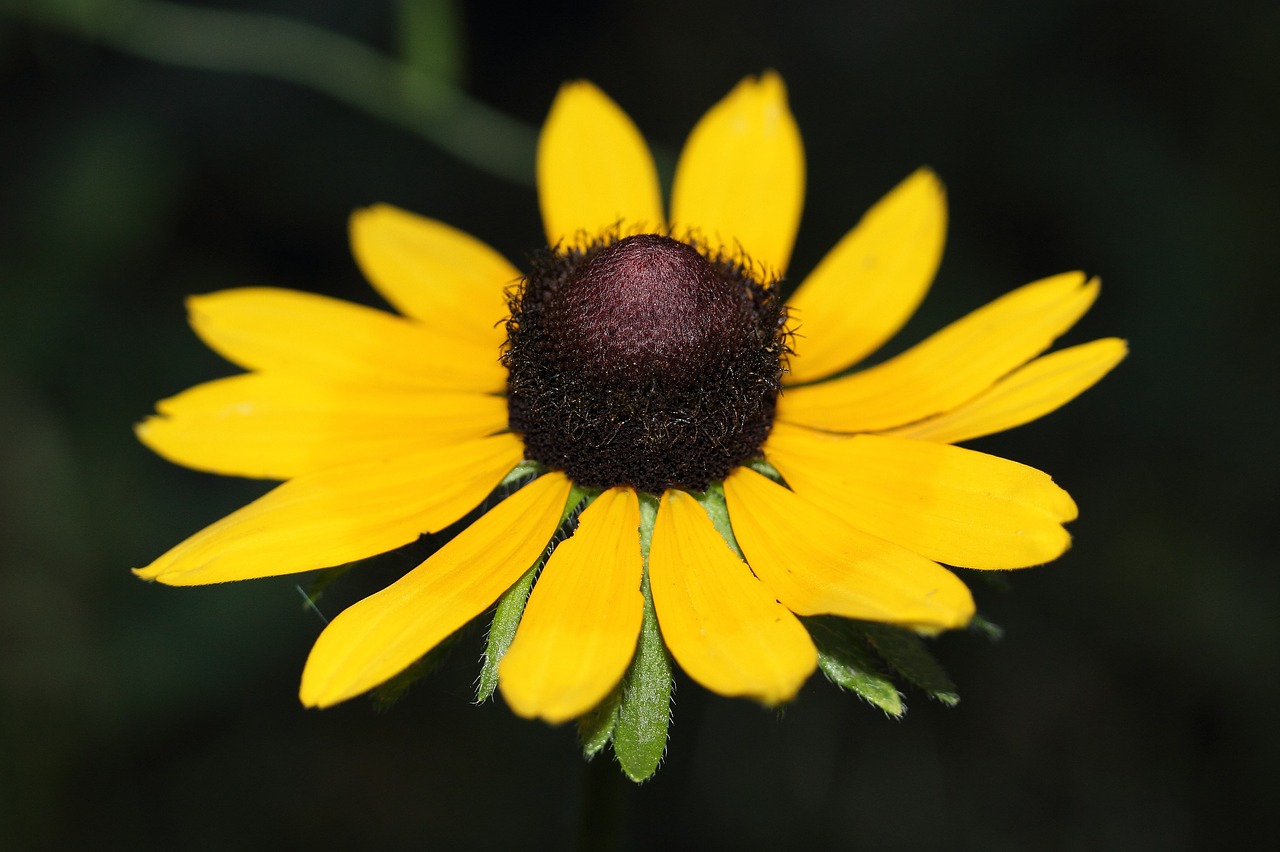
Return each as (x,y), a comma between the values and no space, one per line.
(947,503)
(277,426)
(340,515)
(580,627)
(949,368)
(302,334)
(722,625)
(382,635)
(818,564)
(446,279)
(739,184)
(1028,393)
(871,282)
(595,171)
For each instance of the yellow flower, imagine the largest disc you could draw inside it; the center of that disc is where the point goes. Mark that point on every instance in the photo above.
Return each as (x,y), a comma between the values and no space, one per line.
(386,427)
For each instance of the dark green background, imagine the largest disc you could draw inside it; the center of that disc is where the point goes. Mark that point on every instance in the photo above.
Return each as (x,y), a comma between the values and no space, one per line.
(1131,705)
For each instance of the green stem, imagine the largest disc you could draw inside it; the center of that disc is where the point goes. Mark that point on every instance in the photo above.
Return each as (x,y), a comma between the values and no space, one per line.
(303,54)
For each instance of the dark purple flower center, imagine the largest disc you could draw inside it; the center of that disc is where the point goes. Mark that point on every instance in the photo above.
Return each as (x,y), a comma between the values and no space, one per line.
(643,362)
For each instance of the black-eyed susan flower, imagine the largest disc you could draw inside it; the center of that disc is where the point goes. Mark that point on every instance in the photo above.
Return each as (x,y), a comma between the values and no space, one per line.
(684,462)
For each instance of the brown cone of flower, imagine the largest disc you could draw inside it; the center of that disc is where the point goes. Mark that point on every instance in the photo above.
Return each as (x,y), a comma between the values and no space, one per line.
(643,362)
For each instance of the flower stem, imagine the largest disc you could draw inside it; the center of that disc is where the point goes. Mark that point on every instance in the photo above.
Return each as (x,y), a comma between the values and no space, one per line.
(306,55)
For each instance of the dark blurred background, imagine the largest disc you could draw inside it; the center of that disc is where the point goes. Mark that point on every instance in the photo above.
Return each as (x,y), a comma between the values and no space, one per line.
(1130,705)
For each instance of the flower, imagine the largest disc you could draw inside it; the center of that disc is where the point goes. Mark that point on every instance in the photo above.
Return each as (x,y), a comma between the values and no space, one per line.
(641,370)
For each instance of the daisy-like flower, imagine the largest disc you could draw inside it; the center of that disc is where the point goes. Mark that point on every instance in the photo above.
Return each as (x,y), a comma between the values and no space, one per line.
(727,472)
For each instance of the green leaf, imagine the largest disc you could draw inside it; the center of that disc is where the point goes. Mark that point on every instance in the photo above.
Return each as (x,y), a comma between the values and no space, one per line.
(849,663)
(510,609)
(909,656)
(644,714)
(596,728)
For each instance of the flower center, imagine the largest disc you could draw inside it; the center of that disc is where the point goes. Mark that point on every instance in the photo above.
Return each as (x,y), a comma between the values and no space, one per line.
(642,361)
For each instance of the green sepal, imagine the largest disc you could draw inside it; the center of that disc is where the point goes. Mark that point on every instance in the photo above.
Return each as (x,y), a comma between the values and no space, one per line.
(596,728)
(522,472)
(762,466)
(713,503)
(506,618)
(510,609)
(908,655)
(848,661)
(644,711)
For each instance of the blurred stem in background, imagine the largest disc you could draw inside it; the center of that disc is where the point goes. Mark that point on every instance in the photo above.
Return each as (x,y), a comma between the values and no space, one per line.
(418,92)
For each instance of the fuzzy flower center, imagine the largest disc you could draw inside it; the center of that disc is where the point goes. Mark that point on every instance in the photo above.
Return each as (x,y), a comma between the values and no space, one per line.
(642,361)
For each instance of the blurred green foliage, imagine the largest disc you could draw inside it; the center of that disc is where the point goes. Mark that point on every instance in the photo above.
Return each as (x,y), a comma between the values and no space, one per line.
(1128,706)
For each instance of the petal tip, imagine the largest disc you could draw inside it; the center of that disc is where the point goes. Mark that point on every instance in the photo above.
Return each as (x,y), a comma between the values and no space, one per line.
(771,85)
(323,688)
(155,573)
(312,698)
(361,217)
(196,304)
(572,92)
(926,178)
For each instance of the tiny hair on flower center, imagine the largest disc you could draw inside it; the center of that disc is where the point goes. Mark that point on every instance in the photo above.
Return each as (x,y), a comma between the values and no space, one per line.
(644,361)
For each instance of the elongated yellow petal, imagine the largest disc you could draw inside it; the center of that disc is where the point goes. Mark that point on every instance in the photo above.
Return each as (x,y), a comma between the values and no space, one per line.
(277,426)
(871,282)
(722,625)
(1028,393)
(339,515)
(950,504)
(383,634)
(818,564)
(595,171)
(949,368)
(302,334)
(580,627)
(440,276)
(740,180)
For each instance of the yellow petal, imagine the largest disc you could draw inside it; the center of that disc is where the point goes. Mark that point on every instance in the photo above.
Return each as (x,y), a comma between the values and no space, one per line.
(1028,393)
(722,625)
(595,171)
(871,282)
(440,276)
(950,504)
(817,564)
(739,184)
(338,515)
(949,368)
(579,630)
(382,635)
(302,334)
(277,426)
